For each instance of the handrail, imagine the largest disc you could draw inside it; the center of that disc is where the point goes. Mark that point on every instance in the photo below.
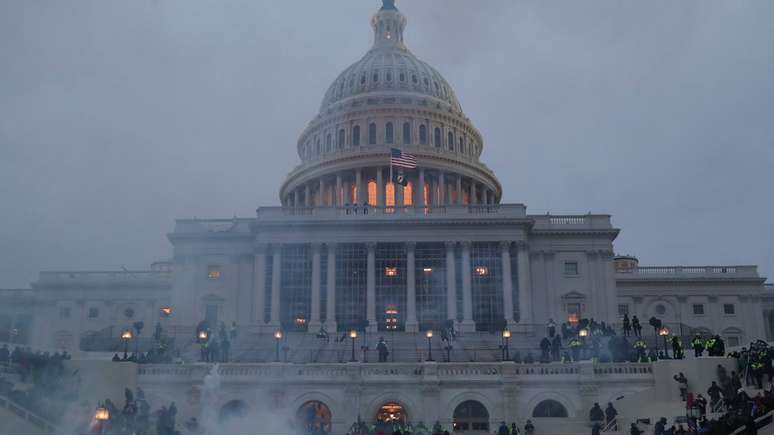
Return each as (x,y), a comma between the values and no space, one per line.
(767,416)
(610,426)
(23,412)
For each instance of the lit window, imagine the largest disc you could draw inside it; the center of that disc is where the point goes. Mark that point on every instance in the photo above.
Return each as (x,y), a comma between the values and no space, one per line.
(213,272)
(427,194)
(372,193)
(408,194)
(93,313)
(428,270)
(390,271)
(571,268)
(729,309)
(482,270)
(389,195)
(698,309)
(64,312)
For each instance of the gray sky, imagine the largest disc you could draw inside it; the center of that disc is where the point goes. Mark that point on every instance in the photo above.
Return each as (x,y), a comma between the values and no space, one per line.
(117,116)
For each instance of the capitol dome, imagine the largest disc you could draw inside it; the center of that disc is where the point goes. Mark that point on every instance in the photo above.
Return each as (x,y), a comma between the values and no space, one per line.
(390,100)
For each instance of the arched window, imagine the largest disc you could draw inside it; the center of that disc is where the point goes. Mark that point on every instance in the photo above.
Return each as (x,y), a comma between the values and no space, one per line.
(414,78)
(389,195)
(314,417)
(450,142)
(437,137)
(233,410)
(372,193)
(340,141)
(471,416)
(402,76)
(389,134)
(362,79)
(549,409)
(423,134)
(328,143)
(406,133)
(372,134)
(426,194)
(408,194)
(462,146)
(356,135)
(391,413)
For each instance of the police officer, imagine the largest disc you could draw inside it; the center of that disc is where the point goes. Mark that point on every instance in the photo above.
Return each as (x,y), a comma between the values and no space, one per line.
(698,346)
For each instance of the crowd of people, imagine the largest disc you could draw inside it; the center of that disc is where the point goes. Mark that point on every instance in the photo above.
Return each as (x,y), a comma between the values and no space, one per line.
(405,428)
(215,348)
(134,418)
(46,387)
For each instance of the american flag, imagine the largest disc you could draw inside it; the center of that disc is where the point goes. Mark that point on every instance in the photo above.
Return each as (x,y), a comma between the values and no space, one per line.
(402,160)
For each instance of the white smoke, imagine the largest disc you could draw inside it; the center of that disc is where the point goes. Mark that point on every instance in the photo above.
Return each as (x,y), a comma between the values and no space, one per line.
(210,399)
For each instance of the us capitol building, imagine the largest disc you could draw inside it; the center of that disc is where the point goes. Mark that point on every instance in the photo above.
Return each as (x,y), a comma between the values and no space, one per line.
(351,248)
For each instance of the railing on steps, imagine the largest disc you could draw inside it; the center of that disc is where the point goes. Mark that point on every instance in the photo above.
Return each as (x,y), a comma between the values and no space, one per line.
(26,415)
(760,422)
(612,426)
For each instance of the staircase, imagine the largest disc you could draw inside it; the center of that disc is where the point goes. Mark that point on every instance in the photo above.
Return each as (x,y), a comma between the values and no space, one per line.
(15,419)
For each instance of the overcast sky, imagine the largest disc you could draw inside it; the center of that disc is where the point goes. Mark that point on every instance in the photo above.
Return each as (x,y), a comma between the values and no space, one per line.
(119,116)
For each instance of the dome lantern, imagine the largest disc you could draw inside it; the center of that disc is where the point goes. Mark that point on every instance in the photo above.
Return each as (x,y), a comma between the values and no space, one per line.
(388,25)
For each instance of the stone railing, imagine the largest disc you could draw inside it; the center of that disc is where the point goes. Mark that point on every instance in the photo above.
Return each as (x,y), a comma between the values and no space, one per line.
(493,211)
(143,278)
(572,222)
(374,372)
(26,415)
(691,271)
(222,226)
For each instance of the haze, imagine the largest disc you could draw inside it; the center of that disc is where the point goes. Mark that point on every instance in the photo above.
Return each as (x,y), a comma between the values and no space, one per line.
(117,117)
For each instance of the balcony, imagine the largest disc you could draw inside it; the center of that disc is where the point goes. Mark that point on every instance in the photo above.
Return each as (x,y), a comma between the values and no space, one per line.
(369,213)
(688,272)
(104,279)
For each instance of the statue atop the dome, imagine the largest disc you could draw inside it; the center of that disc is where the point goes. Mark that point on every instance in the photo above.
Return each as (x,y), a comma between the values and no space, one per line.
(389,5)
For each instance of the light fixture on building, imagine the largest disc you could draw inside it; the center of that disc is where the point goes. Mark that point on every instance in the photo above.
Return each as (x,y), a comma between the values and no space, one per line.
(102,413)
(482,270)
(203,335)
(583,332)
(127,335)
(166,311)
(428,270)
(390,271)
(572,319)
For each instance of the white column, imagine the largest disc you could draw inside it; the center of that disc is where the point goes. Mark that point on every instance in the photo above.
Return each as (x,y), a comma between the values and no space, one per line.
(379,187)
(371,288)
(451,283)
(259,284)
(321,194)
(468,324)
(411,288)
(442,189)
(525,284)
(507,284)
(473,193)
(314,321)
(276,276)
(330,315)
(459,190)
(307,195)
(337,194)
(359,186)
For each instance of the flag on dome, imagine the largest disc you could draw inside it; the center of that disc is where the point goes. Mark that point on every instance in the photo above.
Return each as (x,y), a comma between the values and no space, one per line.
(402,160)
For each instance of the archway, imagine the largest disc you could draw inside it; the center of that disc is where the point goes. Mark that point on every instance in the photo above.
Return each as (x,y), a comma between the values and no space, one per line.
(471,416)
(549,409)
(314,417)
(232,410)
(392,413)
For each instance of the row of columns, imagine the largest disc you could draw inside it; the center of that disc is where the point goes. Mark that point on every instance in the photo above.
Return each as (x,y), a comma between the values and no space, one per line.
(315,192)
(411,323)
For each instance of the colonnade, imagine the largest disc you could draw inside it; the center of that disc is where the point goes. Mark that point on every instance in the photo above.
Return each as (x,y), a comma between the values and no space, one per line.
(373,186)
(411,323)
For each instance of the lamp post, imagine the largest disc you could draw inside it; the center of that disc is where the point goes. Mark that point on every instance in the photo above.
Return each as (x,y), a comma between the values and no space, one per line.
(277,339)
(506,346)
(664,332)
(126,336)
(353,336)
(582,334)
(429,336)
(101,416)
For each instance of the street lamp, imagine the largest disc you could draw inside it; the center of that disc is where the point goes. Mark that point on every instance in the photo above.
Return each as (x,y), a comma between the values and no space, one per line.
(353,336)
(126,336)
(429,336)
(101,416)
(506,347)
(166,311)
(277,338)
(583,333)
(664,332)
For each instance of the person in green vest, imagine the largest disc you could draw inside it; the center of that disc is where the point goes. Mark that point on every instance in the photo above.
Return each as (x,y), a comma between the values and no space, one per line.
(641,348)
(698,346)
(575,347)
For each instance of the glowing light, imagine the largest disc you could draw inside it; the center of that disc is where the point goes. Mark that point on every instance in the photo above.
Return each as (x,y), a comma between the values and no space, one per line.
(167,311)
(506,334)
(572,318)
(353,334)
(102,414)
(663,331)
(583,332)
(482,270)
(278,334)
(127,335)
(390,271)
(428,270)
(203,335)
(429,334)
